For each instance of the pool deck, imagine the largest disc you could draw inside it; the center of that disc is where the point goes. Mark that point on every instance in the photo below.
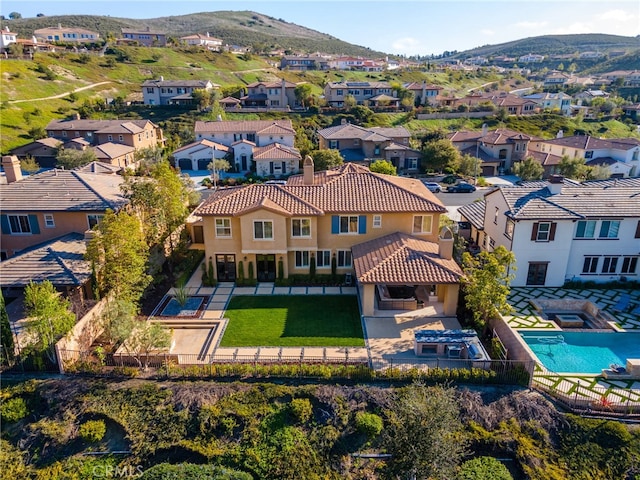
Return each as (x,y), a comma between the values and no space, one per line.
(589,389)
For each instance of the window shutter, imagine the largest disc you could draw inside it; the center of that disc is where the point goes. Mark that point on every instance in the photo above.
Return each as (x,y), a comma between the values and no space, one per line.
(534,232)
(362,224)
(33,222)
(552,232)
(638,230)
(335,224)
(4,224)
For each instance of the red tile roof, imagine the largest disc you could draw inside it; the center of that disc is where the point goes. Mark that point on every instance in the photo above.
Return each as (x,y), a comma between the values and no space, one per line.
(402,259)
(347,189)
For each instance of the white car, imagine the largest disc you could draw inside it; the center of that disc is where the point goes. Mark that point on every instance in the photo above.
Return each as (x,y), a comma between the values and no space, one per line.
(433,187)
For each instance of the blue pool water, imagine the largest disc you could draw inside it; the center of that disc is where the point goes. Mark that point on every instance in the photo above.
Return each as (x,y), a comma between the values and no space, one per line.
(582,352)
(173,308)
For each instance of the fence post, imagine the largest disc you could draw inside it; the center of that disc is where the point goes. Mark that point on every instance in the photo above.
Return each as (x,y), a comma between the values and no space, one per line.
(166,364)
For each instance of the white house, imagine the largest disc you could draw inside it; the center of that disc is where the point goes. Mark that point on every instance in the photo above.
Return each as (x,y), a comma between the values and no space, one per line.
(552,101)
(264,146)
(198,155)
(205,40)
(173,92)
(7,37)
(560,231)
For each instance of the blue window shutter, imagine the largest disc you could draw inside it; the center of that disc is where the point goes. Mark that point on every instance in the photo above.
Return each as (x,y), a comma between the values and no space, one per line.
(33,222)
(335,224)
(4,223)
(362,224)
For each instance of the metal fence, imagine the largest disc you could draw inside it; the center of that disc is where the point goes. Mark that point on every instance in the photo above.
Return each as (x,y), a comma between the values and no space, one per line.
(308,367)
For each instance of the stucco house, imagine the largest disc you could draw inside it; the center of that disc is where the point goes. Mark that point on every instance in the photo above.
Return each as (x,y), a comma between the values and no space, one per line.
(560,230)
(363,93)
(66,34)
(621,155)
(7,37)
(198,155)
(382,229)
(552,101)
(423,93)
(364,145)
(173,92)
(138,134)
(272,95)
(303,62)
(145,36)
(50,204)
(206,41)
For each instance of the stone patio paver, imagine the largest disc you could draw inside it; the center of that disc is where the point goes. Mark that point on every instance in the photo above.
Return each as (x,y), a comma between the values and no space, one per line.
(315,290)
(298,291)
(332,290)
(264,291)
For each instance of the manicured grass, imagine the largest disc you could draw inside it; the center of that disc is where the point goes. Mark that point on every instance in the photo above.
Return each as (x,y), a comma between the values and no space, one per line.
(293,321)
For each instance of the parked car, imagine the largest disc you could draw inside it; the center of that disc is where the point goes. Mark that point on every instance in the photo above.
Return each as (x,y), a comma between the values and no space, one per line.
(461,187)
(433,187)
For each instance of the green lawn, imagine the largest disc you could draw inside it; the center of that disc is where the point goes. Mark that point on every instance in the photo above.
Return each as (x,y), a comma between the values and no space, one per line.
(293,321)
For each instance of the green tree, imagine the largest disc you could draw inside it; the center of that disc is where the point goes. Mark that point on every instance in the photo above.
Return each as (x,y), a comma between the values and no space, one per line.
(598,172)
(29,165)
(436,155)
(190,471)
(49,316)
(16,49)
(120,252)
(37,133)
(6,335)
(483,468)
(12,461)
(349,101)
(141,339)
(201,98)
(160,200)
(303,94)
(383,166)
(326,159)
(216,166)
(423,433)
(572,168)
(15,15)
(469,165)
(486,283)
(528,169)
(69,159)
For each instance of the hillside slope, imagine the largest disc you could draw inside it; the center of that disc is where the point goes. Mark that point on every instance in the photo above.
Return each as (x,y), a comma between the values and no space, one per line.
(235,28)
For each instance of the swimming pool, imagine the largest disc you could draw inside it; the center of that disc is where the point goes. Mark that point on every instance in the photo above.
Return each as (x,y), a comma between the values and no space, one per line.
(582,352)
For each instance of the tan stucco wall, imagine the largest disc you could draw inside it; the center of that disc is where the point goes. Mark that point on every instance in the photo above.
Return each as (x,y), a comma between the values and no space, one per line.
(65,222)
(242,243)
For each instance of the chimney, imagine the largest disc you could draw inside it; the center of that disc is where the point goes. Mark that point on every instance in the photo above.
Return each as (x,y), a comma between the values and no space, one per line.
(59,26)
(556,183)
(6,29)
(560,134)
(161,78)
(207,34)
(485,129)
(307,168)
(219,118)
(445,244)
(11,166)
(343,121)
(76,116)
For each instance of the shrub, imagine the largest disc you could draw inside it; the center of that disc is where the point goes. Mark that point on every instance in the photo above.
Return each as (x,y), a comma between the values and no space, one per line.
(13,410)
(301,409)
(368,423)
(482,468)
(93,430)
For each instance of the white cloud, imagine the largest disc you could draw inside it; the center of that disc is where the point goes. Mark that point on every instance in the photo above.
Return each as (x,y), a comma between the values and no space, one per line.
(487,32)
(408,45)
(531,25)
(576,27)
(617,15)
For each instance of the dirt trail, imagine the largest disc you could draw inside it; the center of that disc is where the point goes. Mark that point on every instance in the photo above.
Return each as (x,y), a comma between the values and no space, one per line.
(61,95)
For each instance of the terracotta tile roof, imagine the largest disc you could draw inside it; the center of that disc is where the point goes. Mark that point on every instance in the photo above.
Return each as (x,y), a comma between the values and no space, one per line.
(590,200)
(236,201)
(276,151)
(62,190)
(44,143)
(587,142)
(399,258)
(105,126)
(277,84)
(204,144)
(419,85)
(60,261)
(347,189)
(234,126)
(349,131)
(99,167)
(493,137)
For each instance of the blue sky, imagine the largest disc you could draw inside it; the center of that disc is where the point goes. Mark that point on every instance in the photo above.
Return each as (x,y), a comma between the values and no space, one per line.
(406,27)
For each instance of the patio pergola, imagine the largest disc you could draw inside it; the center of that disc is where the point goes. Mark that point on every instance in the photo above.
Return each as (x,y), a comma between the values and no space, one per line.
(399,259)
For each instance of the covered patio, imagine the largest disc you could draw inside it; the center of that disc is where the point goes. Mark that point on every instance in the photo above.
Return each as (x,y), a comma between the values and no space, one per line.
(400,272)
